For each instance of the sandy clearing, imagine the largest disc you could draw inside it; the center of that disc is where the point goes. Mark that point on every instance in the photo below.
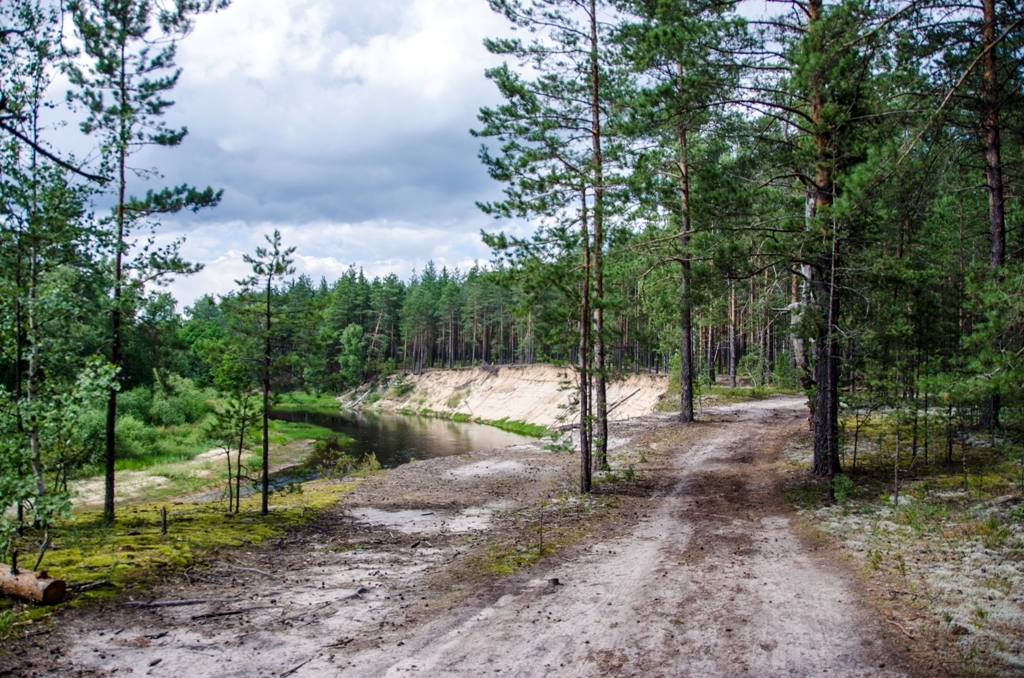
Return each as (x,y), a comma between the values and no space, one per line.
(130,485)
(698,573)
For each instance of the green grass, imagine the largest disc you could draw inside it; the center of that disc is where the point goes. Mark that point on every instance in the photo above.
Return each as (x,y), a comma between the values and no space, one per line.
(307,402)
(284,432)
(456,398)
(511,425)
(514,426)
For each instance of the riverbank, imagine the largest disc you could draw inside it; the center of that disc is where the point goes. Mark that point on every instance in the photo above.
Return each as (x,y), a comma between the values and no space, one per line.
(539,395)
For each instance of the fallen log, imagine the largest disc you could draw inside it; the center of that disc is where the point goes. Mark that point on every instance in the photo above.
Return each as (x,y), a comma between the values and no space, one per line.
(36,587)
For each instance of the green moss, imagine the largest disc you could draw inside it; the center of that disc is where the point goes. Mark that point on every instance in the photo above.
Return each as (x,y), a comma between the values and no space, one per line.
(133,551)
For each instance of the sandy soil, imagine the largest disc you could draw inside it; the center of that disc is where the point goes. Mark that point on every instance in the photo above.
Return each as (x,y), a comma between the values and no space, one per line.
(537,394)
(696,570)
(183,480)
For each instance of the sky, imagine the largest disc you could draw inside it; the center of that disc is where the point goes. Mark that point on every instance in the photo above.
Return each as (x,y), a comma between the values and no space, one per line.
(342,123)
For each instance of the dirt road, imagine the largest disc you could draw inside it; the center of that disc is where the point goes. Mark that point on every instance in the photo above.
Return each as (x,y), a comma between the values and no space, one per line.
(695,572)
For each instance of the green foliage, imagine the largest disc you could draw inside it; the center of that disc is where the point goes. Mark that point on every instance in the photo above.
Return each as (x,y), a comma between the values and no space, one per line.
(352,361)
(176,401)
(456,398)
(402,386)
(843,487)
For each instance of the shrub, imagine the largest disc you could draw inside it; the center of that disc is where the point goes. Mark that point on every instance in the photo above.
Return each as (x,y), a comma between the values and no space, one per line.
(843,487)
(176,401)
(133,438)
(402,387)
(135,403)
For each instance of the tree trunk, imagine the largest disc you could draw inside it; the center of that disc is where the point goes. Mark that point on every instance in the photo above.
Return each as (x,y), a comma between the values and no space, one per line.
(585,441)
(686,335)
(598,252)
(33,377)
(994,177)
(711,353)
(115,342)
(733,344)
(264,506)
(826,415)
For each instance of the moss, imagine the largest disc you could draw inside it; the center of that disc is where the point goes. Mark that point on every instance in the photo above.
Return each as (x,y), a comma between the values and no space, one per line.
(133,552)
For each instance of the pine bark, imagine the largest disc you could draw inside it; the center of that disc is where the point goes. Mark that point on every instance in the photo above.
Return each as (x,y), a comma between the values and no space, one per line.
(586,450)
(686,335)
(601,396)
(826,370)
(265,480)
(993,176)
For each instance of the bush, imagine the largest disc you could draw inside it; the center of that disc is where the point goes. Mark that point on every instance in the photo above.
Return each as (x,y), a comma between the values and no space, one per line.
(135,403)
(176,401)
(843,488)
(402,386)
(785,374)
(753,365)
(133,438)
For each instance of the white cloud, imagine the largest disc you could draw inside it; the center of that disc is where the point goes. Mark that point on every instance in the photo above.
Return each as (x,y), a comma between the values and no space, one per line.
(342,123)
(324,250)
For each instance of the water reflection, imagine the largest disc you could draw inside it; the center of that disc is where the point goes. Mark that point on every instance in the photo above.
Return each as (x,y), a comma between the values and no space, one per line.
(396,438)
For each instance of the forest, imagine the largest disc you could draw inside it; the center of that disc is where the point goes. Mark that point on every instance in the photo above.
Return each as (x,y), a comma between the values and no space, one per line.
(827,199)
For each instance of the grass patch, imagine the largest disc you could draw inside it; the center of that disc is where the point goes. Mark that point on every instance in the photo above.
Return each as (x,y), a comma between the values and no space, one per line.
(513,426)
(307,402)
(456,398)
(564,523)
(284,432)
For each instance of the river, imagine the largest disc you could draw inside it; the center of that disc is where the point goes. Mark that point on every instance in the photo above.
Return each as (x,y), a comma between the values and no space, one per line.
(396,438)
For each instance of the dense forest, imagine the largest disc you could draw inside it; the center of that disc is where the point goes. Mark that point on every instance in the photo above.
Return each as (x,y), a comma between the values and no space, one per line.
(827,198)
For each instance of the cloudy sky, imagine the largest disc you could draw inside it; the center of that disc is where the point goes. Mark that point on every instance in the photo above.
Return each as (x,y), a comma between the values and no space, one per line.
(343,123)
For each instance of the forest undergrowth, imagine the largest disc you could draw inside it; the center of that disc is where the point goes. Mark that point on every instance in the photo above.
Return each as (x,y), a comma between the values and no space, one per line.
(943,550)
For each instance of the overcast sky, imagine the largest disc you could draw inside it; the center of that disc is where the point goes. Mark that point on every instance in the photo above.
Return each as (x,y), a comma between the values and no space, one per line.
(343,123)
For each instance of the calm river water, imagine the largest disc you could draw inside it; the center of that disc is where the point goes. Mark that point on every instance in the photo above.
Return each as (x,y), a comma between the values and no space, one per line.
(396,438)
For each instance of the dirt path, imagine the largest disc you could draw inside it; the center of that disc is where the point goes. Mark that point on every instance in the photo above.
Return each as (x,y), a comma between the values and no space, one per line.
(698,573)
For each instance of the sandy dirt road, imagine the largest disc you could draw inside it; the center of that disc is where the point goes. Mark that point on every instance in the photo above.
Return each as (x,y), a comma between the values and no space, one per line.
(696,572)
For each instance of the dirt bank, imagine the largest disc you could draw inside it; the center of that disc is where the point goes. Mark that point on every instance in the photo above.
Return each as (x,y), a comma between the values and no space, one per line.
(694,570)
(536,394)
